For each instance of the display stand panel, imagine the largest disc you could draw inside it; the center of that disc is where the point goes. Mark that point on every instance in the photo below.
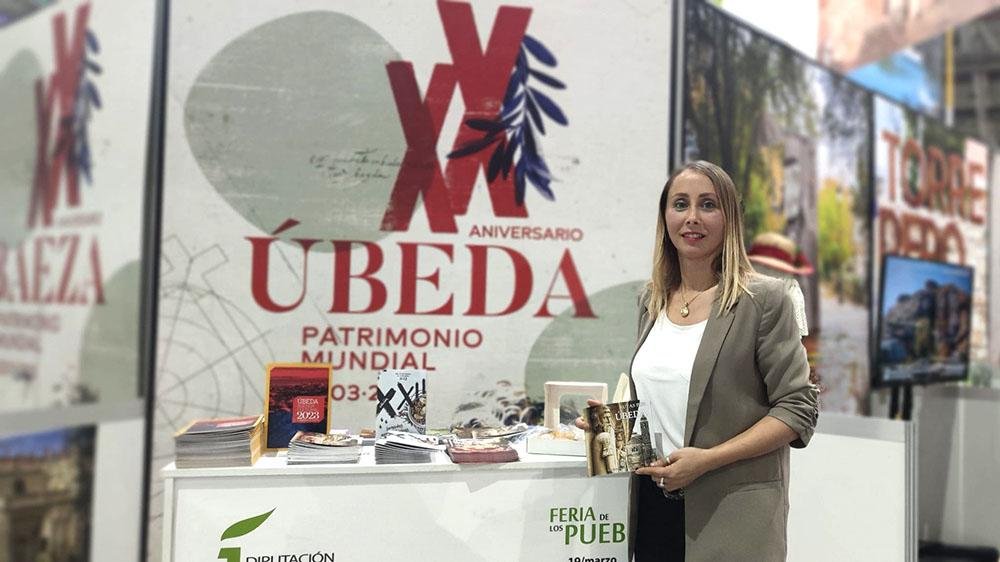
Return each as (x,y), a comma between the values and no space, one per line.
(853,492)
(852,497)
(321,140)
(795,138)
(542,508)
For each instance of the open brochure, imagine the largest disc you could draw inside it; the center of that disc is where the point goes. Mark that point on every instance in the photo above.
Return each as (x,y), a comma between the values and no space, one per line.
(618,440)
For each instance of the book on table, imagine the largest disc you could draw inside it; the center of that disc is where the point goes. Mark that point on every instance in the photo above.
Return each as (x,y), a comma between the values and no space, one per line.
(296,398)
(401,401)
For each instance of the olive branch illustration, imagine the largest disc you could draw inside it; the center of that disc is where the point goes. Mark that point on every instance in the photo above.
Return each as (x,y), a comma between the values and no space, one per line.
(87,100)
(513,131)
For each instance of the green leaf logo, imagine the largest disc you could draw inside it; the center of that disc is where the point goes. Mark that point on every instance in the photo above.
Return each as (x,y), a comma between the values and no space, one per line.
(241,528)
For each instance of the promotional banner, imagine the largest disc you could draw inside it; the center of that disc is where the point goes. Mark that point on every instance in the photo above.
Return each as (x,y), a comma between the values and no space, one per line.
(795,139)
(796,22)
(907,69)
(464,188)
(994,278)
(852,34)
(913,76)
(523,513)
(74,93)
(932,203)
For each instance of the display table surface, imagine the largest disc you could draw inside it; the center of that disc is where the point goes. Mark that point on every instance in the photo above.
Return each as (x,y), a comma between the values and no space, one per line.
(541,507)
(276,465)
(852,496)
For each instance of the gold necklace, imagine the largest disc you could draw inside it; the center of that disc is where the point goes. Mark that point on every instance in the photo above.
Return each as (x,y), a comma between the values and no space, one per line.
(684,309)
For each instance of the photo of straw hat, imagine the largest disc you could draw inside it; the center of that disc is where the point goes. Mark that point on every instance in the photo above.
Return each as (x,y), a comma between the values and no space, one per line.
(779,252)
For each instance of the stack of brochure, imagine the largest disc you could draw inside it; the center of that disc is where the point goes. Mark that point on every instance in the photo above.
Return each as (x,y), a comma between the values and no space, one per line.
(315,448)
(481,451)
(220,442)
(398,448)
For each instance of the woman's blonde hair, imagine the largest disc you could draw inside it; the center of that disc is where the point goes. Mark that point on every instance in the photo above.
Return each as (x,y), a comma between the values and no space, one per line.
(731,265)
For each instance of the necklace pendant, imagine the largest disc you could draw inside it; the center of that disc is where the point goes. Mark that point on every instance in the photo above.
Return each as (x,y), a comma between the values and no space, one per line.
(685,311)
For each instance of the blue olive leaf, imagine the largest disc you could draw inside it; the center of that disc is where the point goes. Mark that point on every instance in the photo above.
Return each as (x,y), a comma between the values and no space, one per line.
(512,88)
(519,183)
(546,79)
(95,98)
(92,43)
(536,117)
(496,162)
(509,112)
(549,107)
(508,158)
(485,125)
(539,51)
(473,147)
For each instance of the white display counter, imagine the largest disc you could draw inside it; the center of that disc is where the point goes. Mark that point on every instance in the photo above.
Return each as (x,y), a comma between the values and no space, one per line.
(540,508)
(853,492)
(852,496)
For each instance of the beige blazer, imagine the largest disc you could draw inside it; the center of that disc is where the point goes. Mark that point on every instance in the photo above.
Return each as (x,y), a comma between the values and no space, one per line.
(750,364)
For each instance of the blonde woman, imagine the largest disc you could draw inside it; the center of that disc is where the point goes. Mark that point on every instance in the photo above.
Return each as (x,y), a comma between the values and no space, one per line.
(723,373)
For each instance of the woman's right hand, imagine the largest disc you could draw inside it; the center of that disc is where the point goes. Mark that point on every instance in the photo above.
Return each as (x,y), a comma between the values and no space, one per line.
(582,423)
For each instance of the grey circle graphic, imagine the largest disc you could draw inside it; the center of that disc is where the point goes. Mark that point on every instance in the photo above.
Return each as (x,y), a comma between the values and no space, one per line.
(109,357)
(17,144)
(590,350)
(296,119)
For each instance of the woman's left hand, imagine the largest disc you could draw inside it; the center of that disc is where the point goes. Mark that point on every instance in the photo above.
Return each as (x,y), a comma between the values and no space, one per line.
(680,469)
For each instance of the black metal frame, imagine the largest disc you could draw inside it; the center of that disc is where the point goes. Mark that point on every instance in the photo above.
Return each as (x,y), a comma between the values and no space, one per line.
(149,312)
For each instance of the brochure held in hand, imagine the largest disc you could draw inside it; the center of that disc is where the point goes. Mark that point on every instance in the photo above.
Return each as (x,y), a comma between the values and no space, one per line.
(618,440)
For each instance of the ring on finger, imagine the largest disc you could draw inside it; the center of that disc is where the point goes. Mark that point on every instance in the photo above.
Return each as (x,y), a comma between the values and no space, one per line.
(661,482)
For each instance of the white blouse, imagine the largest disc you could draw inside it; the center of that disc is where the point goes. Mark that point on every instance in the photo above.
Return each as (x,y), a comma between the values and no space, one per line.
(661,372)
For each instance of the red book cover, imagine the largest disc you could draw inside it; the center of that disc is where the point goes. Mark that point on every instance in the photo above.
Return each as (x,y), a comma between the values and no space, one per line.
(297,400)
